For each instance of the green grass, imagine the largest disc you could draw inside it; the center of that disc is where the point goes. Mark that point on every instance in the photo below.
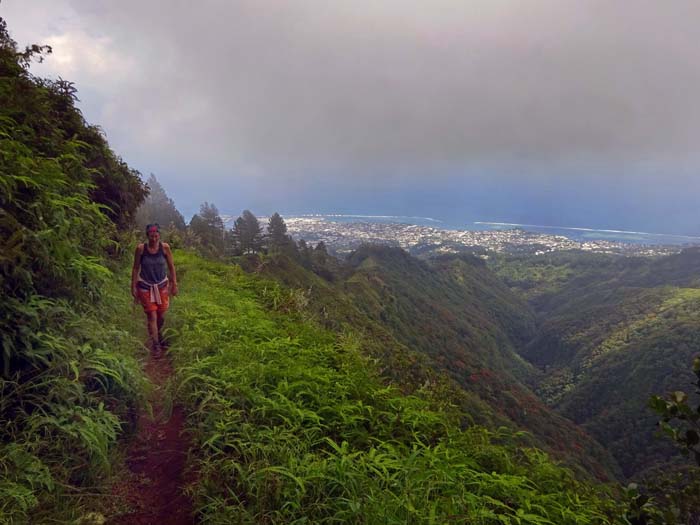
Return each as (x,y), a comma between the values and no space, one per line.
(293,424)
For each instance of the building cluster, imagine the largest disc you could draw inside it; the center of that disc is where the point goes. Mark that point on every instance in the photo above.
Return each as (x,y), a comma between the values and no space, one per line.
(344,237)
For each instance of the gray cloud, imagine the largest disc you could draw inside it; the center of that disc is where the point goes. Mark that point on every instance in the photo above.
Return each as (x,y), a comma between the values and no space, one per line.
(254,90)
(400,81)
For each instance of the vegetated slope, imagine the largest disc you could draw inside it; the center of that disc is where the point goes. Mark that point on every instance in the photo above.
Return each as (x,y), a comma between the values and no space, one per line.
(453,316)
(455,311)
(68,379)
(612,332)
(292,421)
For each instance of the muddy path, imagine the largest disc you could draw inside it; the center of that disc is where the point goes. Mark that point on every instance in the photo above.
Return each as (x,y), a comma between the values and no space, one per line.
(152,491)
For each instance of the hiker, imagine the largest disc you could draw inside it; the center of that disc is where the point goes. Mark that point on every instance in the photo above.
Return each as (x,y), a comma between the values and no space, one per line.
(153,262)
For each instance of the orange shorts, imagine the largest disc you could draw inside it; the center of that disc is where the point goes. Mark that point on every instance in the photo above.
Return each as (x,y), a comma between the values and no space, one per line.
(149,306)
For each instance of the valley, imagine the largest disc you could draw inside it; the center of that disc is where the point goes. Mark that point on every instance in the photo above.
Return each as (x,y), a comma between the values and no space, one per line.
(592,334)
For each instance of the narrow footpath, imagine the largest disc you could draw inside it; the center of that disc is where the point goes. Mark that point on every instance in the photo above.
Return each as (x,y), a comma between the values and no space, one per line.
(153,491)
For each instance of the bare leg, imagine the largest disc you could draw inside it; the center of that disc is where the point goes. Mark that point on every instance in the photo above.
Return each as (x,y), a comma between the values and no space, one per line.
(160,322)
(153,329)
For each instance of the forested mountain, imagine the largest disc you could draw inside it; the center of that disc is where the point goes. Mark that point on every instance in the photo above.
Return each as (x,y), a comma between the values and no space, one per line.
(611,332)
(451,315)
(604,333)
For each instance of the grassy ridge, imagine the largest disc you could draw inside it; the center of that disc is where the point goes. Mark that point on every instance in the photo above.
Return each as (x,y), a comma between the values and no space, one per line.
(292,424)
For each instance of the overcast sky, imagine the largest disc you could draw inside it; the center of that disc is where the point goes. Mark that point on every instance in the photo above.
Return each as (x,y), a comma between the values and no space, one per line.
(571,113)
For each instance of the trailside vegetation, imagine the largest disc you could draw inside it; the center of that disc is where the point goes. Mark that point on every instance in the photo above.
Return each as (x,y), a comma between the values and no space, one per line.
(678,492)
(68,380)
(678,408)
(293,423)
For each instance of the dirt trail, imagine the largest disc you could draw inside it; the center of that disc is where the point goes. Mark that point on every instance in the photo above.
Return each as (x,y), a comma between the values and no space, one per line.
(156,458)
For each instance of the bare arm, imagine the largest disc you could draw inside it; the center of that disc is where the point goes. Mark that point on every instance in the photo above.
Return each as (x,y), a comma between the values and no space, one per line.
(172,276)
(136,269)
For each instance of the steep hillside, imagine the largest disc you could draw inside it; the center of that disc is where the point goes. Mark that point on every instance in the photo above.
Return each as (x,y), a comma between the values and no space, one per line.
(455,311)
(452,316)
(612,332)
(294,423)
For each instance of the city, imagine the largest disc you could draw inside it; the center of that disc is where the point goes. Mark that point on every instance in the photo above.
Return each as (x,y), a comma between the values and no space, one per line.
(343,237)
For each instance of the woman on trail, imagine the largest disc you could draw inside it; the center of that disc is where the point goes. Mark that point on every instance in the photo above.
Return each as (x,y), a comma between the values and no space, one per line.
(153,262)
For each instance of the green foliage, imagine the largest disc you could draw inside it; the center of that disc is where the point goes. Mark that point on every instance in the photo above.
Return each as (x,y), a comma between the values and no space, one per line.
(53,229)
(42,117)
(23,476)
(677,408)
(207,231)
(61,418)
(293,423)
(612,332)
(246,235)
(672,497)
(68,385)
(278,240)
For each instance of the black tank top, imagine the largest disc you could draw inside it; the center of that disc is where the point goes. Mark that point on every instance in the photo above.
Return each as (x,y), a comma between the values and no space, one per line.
(154,268)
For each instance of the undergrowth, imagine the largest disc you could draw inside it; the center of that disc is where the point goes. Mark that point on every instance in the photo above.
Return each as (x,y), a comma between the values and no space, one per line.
(293,424)
(60,419)
(68,380)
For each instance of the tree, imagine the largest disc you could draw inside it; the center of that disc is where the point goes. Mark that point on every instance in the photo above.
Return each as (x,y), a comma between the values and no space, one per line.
(159,208)
(236,237)
(255,235)
(304,252)
(320,253)
(278,239)
(246,234)
(208,228)
(277,230)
